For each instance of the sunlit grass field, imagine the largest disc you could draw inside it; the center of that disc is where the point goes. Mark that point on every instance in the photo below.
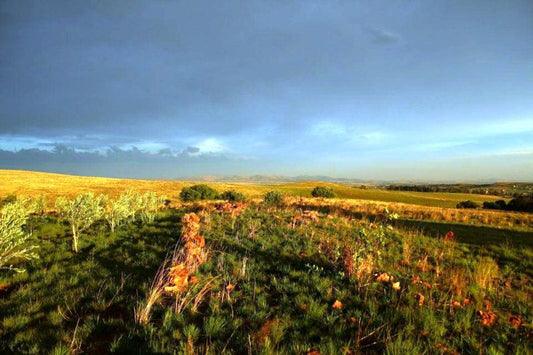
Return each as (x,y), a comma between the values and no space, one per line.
(25,183)
(272,284)
(371,271)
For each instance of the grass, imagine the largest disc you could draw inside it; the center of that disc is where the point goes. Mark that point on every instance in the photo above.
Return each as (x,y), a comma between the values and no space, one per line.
(26,183)
(269,286)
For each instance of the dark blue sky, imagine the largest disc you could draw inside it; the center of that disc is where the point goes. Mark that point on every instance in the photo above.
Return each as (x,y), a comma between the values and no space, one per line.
(426,90)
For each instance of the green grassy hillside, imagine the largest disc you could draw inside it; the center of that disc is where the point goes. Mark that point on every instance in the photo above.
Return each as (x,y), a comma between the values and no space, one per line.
(272,283)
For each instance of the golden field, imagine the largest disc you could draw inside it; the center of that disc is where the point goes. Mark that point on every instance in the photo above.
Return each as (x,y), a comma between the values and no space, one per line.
(369,201)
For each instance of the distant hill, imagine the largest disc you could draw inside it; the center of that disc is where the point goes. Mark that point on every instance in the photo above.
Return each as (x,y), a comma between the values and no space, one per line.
(270,178)
(29,183)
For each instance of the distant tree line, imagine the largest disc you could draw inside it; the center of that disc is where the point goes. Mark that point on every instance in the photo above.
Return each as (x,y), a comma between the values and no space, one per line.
(518,204)
(506,190)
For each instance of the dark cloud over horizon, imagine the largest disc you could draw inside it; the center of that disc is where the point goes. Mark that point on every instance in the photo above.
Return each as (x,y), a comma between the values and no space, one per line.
(293,86)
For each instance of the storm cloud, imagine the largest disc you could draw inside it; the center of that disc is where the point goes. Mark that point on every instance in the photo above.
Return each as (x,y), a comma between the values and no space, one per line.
(239,87)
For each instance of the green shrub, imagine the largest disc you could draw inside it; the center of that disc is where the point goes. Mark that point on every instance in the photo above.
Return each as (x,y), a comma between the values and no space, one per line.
(323,191)
(151,203)
(233,196)
(273,198)
(14,242)
(198,192)
(467,204)
(80,213)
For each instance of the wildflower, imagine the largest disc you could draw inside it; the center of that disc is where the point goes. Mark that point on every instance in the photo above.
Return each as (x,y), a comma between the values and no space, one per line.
(178,279)
(353,320)
(487,318)
(420,298)
(455,304)
(515,321)
(384,277)
(450,236)
(193,280)
(396,286)
(230,287)
(337,305)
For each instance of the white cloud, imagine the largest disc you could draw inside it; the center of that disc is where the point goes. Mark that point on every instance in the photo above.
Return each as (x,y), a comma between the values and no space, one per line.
(211,145)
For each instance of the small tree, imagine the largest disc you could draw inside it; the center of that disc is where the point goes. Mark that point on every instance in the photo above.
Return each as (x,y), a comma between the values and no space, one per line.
(14,242)
(232,196)
(80,213)
(117,211)
(134,202)
(273,198)
(40,205)
(198,192)
(323,191)
(151,203)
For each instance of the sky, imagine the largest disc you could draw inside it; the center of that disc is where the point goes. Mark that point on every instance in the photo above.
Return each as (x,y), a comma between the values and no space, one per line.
(377,90)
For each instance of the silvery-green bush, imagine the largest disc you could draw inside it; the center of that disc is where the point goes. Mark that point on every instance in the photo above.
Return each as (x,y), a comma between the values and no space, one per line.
(15,243)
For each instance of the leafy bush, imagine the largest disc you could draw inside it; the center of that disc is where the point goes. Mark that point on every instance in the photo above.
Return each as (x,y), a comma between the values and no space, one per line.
(273,198)
(198,192)
(14,242)
(467,204)
(323,191)
(497,205)
(117,211)
(80,213)
(40,204)
(522,204)
(134,201)
(233,196)
(151,203)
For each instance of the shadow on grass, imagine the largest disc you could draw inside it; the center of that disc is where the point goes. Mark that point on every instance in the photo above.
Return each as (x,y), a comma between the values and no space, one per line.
(465,233)
(471,234)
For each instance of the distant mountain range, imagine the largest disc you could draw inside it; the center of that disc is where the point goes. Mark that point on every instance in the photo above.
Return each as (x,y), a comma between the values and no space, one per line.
(275,178)
(269,178)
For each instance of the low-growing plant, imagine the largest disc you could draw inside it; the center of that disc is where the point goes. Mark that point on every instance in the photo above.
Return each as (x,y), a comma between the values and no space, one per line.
(323,191)
(198,192)
(233,196)
(486,272)
(14,241)
(467,204)
(40,204)
(80,213)
(150,204)
(273,198)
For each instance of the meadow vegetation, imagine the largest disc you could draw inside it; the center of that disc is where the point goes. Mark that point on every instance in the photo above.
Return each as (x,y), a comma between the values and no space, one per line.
(280,275)
(51,186)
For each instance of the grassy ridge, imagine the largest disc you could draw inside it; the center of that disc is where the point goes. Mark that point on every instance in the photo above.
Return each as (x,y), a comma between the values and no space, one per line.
(26,183)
